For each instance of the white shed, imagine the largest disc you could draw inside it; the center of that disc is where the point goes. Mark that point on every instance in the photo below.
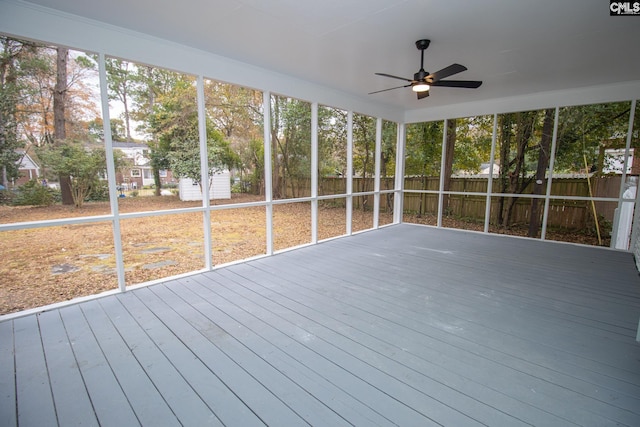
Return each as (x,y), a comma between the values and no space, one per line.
(220,187)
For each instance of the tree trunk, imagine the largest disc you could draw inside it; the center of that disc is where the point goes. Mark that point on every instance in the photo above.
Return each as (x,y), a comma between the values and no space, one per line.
(543,164)
(275,173)
(525,124)
(127,115)
(448,163)
(59,120)
(157,181)
(8,122)
(151,100)
(505,148)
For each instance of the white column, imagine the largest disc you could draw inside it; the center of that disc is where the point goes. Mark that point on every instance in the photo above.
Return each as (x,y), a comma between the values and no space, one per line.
(398,198)
(552,161)
(111,172)
(268,191)
(314,172)
(443,160)
(492,161)
(349,177)
(204,173)
(376,176)
(624,219)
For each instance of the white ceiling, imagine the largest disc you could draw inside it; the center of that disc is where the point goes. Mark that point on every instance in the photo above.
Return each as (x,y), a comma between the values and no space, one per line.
(516,47)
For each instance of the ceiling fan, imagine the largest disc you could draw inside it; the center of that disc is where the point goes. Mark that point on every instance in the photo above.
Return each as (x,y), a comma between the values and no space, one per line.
(422,80)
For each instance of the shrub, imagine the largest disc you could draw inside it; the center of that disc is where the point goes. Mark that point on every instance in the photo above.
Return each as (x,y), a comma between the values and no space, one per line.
(33,193)
(6,197)
(99,192)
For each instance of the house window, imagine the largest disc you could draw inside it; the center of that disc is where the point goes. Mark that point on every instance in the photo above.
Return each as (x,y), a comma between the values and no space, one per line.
(135,173)
(148,173)
(163,173)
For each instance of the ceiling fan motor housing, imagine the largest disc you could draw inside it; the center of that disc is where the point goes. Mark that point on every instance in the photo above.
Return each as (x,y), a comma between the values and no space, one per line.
(420,75)
(422,44)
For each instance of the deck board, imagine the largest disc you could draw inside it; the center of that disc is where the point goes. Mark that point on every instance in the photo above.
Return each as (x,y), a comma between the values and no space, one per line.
(33,390)
(109,401)
(7,375)
(65,378)
(417,334)
(168,363)
(260,338)
(147,402)
(405,325)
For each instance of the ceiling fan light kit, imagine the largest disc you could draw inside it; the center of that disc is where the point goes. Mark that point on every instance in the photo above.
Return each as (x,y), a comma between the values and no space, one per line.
(422,80)
(420,87)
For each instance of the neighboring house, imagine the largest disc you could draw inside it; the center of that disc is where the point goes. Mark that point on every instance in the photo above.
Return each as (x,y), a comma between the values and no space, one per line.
(138,171)
(614,161)
(220,187)
(28,170)
(482,173)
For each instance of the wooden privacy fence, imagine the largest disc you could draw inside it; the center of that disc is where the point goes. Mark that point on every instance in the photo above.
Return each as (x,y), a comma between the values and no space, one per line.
(568,214)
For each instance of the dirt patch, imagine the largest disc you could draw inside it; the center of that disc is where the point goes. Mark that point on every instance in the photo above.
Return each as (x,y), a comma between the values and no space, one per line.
(41,266)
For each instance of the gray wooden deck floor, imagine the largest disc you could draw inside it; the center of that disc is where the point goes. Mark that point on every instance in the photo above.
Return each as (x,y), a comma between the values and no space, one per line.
(406,325)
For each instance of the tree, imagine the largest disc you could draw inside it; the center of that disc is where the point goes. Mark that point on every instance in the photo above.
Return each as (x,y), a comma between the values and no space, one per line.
(541,170)
(423,154)
(237,112)
(388,160)
(254,161)
(10,93)
(588,130)
(121,83)
(332,142)
(364,143)
(59,120)
(516,134)
(48,100)
(81,165)
(174,123)
(153,84)
(448,162)
(291,139)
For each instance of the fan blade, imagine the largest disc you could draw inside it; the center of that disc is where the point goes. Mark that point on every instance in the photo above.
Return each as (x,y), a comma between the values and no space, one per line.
(471,84)
(423,94)
(446,72)
(393,77)
(391,88)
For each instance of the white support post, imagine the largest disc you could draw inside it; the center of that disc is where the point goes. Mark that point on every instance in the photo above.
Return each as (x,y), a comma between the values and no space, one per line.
(635,230)
(111,173)
(552,162)
(492,161)
(376,177)
(204,174)
(398,199)
(349,177)
(314,172)
(616,225)
(443,161)
(268,174)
